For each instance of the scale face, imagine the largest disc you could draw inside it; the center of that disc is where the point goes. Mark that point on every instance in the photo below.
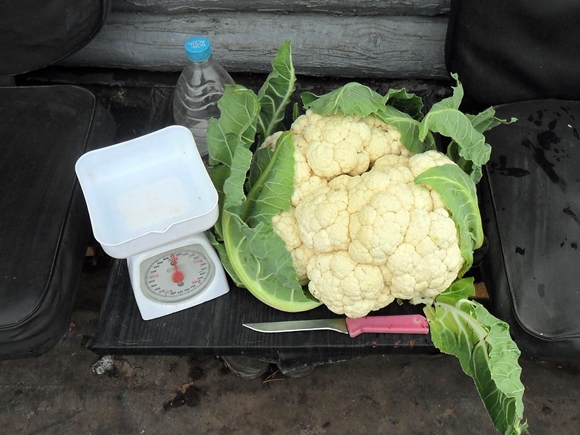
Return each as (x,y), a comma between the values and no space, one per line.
(177,276)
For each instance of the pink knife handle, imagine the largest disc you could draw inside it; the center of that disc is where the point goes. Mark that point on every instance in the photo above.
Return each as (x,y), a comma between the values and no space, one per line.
(401,324)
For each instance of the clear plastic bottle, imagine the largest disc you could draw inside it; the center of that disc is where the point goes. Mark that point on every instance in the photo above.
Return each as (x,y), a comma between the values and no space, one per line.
(198,89)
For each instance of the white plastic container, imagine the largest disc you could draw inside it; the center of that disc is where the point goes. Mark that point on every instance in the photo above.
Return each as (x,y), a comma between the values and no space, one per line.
(147,192)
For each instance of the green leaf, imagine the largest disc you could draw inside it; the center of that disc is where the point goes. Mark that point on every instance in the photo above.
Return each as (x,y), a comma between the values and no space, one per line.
(263,265)
(236,125)
(456,125)
(218,175)
(459,289)
(255,257)
(486,120)
(408,128)
(481,122)
(275,93)
(352,99)
(475,172)
(486,352)
(452,102)
(234,193)
(261,160)
(460,196)
(271,193)
(446,119)
(410,104)
(235,128)
(221,250)
(308,98)
(295,112)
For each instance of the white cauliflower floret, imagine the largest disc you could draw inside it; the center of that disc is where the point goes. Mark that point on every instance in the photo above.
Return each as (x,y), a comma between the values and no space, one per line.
(307,187)
(345,286)
(419,163)
(367,185)
(286,227)
(385,140)
(371,241)
(323,219)
(308,119)
(333,145)
(344,182)
(301,256)
(302,170)
(429,259)
(390,160)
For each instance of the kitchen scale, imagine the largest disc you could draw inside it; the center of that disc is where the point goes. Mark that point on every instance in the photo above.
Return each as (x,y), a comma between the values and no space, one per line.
(150,201)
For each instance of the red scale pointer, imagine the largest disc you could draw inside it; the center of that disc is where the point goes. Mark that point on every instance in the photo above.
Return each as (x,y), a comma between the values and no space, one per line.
(177,274)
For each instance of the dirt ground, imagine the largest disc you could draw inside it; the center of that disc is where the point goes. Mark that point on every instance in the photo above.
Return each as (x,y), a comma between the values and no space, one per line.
(71,390)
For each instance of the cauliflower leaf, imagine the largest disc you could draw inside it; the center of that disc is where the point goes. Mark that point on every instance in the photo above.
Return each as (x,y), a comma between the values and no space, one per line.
(460,197)
(251,251)
(410,104)
(445,118)
(468,147)
(409,129)
(274,186)
(350,99)
(486,352)
(239,108)
(276,92)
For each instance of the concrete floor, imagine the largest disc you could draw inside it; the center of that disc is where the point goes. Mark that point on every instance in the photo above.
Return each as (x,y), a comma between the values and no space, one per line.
(61,393)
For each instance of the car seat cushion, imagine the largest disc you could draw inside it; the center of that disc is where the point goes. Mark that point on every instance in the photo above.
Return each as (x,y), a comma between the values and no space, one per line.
(44,226)
(531,214)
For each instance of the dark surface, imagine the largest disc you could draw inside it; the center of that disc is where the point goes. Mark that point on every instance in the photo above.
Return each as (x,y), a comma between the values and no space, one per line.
(37,33)
(531,209)
(215,328)
(514,50)
(44,227)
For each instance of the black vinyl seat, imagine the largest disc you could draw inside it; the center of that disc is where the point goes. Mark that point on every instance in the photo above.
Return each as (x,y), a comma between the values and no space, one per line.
(44,226)
(523,58)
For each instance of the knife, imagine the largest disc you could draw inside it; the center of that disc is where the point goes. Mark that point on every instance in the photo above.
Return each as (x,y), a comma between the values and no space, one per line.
(399,324)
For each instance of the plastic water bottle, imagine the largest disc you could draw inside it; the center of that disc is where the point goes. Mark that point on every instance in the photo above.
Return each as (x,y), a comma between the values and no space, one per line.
(198,89)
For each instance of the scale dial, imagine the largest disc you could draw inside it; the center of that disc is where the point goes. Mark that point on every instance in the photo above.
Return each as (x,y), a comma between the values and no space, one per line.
(176,275)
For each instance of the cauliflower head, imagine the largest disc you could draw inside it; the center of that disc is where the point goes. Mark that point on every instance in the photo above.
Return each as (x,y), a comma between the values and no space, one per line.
(360,231)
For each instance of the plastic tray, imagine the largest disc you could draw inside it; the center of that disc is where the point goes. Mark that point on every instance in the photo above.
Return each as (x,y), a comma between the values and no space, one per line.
(147,192)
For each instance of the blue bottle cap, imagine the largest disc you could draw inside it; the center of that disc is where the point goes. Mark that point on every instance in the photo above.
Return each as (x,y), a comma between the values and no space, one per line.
(197,49)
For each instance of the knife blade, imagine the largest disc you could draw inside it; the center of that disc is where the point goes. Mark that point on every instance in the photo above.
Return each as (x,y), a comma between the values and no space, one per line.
(398,324)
